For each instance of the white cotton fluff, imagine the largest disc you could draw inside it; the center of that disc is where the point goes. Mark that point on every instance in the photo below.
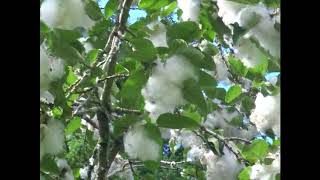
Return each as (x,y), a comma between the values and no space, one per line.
(195,154)
(220,119)
(162,92)
(117,165)
(63,164)
(84,172)
(266,172)
(165,133)
(53,138)
(190,8)
(248,53)
(187,138)
(221,69)
(87,45)
(229,11)
(138,145)
(257,19)
(65,14)
(51,69)
(225,167)
(158,36)
(263,31)
(266,114)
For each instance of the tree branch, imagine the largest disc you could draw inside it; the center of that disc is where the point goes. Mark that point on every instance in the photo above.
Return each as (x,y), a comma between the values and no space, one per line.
(226,143)
(120,110)
(238,139)
(109,66)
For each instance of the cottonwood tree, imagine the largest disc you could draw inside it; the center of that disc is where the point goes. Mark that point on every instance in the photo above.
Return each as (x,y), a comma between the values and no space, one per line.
(178,94)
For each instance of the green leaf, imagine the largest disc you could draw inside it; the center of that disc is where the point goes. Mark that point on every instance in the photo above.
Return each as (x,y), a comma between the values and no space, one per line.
(71,77)
(218,93)
(247,104)
(154,133)
(133,85)
(73,125)
(194,56)
(153,4)
(206,80)
(245,173)
(192,114)
(56,112)
(48,164)
(237,121)
(122,124)
(92,56)
(174,121)
(110,8)
(144,50)
(43,27)
(237,66)
(169,9)
(187,30)
(257,150)
(272,3)
(67,35)
(57,91)
(146,3)
(60,48)
(192,93)
(93,11)
(207,27)
(233,93)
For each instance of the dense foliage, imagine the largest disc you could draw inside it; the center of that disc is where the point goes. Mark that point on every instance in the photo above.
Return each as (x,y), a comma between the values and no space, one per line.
(180,92)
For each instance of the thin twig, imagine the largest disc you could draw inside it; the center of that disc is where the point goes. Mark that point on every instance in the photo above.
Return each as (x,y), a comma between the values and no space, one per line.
(226,143)
(120,110)
(238,139)
(92,123)
(113,77)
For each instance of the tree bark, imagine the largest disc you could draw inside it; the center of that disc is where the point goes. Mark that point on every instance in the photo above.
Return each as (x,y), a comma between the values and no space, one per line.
(104,114)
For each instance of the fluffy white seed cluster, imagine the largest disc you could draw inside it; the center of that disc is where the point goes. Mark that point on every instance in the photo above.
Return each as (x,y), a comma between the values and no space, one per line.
(263,31)
(63,165)
(138,145)
(229,10)
(162,92)
(51,69)
(117,166)
(225,167)
(64,14)
(249,54)
(190,8)
(52,138)
(187,138)
(266,114)
(260,25)
(158,36)
(222,118)
(266,172)
(195,153)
